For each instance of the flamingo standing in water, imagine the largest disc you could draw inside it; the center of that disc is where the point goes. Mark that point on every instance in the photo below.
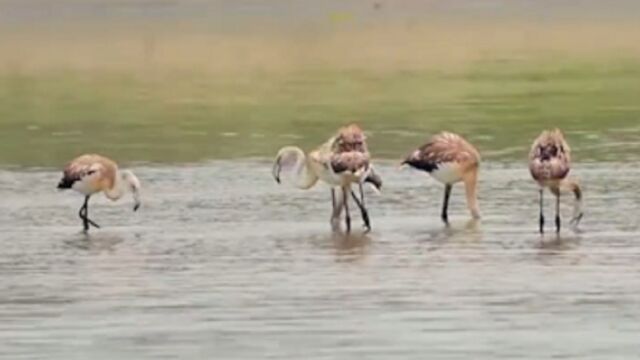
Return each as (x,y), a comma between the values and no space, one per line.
(549,164)
(340,162)
(89,174)
(449,158)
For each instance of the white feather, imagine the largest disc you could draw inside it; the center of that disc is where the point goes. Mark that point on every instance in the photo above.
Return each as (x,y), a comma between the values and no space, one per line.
(83,186)
(447,173)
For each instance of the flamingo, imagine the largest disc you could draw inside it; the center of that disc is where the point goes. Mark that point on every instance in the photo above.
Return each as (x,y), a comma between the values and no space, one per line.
(341,161)
(549,164)
(449,159)
(90,173)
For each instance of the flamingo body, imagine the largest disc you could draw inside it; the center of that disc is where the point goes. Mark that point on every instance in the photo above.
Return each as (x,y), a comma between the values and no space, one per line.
(340,162)
(549,165)
(449,159)
(90,174)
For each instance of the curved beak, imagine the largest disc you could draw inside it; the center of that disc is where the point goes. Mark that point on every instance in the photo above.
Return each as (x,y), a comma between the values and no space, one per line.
(136,199)
(375,180)
(134,187)
(275,171)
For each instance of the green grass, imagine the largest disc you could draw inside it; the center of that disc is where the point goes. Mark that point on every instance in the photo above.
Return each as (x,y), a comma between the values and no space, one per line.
(48,116)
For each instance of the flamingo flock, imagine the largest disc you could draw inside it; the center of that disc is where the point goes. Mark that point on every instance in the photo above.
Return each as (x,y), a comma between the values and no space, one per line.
(344,163)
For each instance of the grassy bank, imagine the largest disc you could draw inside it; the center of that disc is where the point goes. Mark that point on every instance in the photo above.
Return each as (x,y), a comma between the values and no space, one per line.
(175,101)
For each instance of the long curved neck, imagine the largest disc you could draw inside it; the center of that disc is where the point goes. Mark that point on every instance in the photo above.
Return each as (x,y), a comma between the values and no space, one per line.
(470,184)
(118,189)
(305,177)
(294,161)
(574,187)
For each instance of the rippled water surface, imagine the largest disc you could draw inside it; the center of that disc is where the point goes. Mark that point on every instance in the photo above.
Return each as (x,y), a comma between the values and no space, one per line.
(223,263)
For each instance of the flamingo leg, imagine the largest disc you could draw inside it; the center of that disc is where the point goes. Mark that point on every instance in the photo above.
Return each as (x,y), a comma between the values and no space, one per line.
(333,199)
(84,215)
(336,203)
(363,209)
(445,203)
(345,200)
(541,212)
(558,213)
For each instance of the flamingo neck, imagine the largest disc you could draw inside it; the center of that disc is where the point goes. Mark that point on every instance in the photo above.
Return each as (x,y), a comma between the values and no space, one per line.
(574,187)
(305,177)
(118,189)
(470,183)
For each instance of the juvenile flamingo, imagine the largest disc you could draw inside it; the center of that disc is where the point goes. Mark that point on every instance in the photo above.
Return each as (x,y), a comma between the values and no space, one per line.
(449,158)
(340,162)
(89,174)
(549,164)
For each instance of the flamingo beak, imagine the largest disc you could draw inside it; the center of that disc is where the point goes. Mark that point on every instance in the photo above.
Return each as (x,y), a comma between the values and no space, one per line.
(375,180)
(275,171)
(136,200)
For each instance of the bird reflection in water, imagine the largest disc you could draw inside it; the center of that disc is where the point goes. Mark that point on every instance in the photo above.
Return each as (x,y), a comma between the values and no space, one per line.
(557,242)
(95,243)
(350,246)
(467,232)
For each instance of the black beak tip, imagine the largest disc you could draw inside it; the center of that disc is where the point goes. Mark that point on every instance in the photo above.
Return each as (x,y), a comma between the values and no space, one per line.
(136,207)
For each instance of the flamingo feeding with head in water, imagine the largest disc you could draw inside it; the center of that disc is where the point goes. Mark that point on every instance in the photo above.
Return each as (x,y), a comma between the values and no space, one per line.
(449,158)
(89,174)
(340,162)
(549,164)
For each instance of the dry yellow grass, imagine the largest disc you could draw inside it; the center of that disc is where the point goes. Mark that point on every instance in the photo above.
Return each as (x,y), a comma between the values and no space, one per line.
(439,46)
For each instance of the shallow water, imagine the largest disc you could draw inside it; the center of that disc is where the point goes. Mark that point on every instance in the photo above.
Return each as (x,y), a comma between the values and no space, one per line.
(220,262)
(223,263)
